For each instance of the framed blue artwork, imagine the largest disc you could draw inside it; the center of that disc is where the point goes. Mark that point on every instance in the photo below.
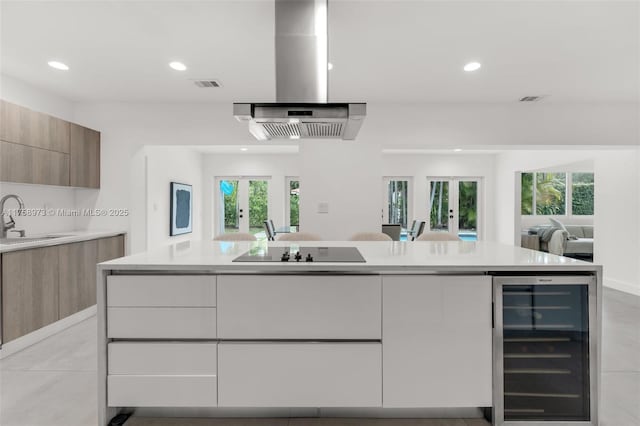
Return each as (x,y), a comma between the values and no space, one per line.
(181,215)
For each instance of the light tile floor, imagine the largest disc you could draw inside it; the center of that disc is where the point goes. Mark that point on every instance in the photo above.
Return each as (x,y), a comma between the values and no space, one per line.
(53,383)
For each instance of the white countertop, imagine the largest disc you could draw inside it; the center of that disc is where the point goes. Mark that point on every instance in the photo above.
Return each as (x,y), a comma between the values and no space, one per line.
(393,256)
(64,238)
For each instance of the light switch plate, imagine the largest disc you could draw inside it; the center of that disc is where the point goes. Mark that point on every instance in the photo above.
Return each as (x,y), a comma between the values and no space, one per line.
(323,207)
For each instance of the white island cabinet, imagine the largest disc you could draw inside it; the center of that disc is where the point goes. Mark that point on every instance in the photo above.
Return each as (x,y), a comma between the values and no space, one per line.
(186,331)
(437,341)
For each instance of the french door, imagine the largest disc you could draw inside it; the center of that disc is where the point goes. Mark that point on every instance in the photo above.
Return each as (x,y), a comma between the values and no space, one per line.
(396,200)
(454,206)
(243,204)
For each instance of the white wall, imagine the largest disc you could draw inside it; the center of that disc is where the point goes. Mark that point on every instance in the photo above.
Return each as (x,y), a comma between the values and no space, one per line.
(616,221)
(346,176)
(166,165)
(37,196)
(276,166)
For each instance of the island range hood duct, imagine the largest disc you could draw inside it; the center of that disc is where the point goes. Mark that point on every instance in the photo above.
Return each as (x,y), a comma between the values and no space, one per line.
(301,110)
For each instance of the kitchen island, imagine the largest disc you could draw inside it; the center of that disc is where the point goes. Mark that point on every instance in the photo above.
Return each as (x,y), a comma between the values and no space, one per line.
(465,327)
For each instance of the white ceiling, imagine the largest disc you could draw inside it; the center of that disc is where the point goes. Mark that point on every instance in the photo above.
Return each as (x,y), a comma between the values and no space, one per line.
(383,51)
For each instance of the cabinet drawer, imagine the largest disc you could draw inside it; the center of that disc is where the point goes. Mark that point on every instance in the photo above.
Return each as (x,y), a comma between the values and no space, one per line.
(300,374)
(161,323)
(299,307)
(161,290)
(163,358)
(162,391)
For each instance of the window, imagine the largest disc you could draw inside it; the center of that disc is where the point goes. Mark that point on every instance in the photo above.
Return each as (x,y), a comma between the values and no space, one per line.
(582,186)
(396,198)
(547,194)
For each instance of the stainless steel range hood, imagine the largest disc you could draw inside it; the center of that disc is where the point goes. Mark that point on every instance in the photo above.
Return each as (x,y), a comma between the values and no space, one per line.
(301,110)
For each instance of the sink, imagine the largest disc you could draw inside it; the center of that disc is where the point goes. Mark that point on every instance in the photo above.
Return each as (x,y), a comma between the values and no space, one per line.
(20,240)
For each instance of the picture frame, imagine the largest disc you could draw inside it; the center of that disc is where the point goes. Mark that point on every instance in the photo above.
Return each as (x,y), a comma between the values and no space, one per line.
(181,209)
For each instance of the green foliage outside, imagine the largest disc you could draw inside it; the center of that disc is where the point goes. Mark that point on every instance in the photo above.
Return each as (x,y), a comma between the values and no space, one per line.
(258,203)
(582,193)
(231,207)
(551,193)
(397,202)
(468,209)
(294,202)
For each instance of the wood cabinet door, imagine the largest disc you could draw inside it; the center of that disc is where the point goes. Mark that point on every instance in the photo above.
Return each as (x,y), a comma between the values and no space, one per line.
(25,164)
(9,122)
(85,157)
(110,248)
(29,290)
(77,276)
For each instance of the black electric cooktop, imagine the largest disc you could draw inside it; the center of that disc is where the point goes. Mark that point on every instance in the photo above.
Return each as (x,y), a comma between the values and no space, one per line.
(301,254)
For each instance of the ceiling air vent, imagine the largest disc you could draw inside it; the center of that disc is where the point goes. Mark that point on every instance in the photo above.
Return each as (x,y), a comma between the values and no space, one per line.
(207,83)
(531,98)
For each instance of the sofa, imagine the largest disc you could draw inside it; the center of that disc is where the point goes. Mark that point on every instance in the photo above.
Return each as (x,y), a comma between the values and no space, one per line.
(579,240)
(565,240)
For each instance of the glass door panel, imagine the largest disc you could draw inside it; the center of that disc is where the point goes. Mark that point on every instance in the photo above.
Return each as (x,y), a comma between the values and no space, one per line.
(467,210)
(398,202)
(230,205)
(293,215)
(545,352)
(258,203)
(440,213)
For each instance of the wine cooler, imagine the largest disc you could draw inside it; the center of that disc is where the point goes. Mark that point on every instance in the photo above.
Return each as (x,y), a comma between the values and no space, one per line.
(545,350)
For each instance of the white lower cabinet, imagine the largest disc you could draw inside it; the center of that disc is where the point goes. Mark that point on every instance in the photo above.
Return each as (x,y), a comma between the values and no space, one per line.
(161,391)
(162,374)
(437,341)
(304,307)
(161,323)
(283,374)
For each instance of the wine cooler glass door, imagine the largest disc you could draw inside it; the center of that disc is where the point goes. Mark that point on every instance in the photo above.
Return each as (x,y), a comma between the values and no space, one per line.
(544,355)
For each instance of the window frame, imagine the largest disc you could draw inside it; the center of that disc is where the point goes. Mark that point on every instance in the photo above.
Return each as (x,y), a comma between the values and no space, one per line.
(568,196)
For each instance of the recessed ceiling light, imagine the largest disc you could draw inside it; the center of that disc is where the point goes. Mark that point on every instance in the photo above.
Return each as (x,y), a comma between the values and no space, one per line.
(244,149)
(58,65)
(472,66)
(178,66)
(329,66)
(457,150)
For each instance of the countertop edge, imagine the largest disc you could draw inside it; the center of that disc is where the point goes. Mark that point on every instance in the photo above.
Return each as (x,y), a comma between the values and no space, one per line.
(78,236)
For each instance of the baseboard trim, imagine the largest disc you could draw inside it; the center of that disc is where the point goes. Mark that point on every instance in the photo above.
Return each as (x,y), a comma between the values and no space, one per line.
(40,334)
(622,286)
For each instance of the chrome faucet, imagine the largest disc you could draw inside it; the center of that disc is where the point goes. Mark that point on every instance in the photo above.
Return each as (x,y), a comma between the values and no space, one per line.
(6,226)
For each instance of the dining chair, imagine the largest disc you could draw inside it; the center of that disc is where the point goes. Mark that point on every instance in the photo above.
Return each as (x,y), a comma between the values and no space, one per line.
(269,230)
(437,236)
(393,230)
(371,236)
(416,229)
(299,236)
(235,236)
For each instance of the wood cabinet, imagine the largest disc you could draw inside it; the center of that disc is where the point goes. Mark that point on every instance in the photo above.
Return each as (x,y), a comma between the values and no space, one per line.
(437,341)
(43,285)
(25,164)
(30,282)
(42,149)
(110,248)
(77,276)
(85,157)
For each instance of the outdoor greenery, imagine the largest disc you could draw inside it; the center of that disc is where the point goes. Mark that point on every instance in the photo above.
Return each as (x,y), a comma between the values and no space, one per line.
(468,208)
(551,192)
(230,206)
(398,202)
(294,202)
(467,205)
(582,192)
(258,203)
